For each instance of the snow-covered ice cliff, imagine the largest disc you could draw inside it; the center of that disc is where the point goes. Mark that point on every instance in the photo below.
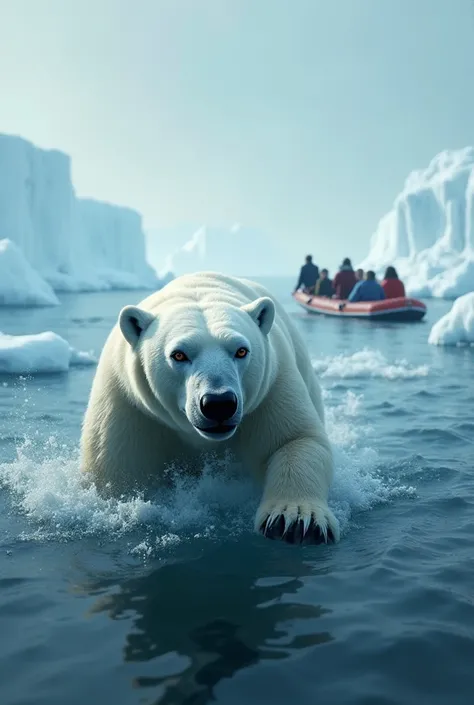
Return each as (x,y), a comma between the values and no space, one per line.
(110,246)
(73,244)
(429,233)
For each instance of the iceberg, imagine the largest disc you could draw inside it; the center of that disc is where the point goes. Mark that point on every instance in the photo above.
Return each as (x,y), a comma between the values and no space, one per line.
(73,244)
(20,284)
(429,233)
(226,250)
(41,353)
(110,248)
(457,326)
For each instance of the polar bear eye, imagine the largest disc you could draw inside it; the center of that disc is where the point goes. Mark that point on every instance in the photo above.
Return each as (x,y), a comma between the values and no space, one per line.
(179,356)
(241,353)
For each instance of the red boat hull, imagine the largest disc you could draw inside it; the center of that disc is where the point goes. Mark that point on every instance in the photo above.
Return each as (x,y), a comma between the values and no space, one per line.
(401,309)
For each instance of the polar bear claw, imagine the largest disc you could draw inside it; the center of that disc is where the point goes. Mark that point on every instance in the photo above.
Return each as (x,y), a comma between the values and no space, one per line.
(301,523)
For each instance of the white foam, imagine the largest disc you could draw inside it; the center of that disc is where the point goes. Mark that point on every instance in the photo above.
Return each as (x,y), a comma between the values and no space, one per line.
(457,326)
(365,364)
(49,489)
(39,354)
(342,433)
(46,486)
(359,482)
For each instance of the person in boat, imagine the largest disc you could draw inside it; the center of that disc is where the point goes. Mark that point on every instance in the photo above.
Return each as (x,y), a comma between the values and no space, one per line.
(367,290)
(392,285)
(309,275)
(359,274)
(324,285)
(345,280)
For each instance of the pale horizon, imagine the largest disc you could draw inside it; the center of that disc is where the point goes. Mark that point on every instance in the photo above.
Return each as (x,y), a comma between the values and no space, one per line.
(301,121)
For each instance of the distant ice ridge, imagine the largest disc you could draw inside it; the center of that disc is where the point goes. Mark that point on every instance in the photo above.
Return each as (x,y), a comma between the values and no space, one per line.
(429,233)
(234,250)
(73,244)
(457,326)
(110,245)
(39,354)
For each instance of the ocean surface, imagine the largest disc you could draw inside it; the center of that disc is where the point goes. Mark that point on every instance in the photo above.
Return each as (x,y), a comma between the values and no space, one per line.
(179,602)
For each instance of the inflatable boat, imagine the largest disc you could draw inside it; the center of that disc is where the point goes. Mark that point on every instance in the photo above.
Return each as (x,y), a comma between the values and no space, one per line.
(401,309)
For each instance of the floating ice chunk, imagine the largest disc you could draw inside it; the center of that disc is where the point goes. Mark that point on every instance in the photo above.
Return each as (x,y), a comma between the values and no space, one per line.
(457,326)
(39,354)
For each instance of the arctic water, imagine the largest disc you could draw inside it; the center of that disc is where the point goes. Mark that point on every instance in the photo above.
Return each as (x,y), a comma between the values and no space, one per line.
(177,601)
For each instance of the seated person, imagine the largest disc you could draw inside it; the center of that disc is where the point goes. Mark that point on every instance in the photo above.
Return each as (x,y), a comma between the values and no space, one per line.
(345,280)
(309,275)
(359,274)
(392,285)
(324,285)
(367,290)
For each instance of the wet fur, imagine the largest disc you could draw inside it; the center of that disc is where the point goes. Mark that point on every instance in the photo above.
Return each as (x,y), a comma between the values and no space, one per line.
(141,409)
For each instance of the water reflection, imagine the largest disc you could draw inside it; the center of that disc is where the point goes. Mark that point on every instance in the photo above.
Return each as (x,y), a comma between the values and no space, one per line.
(198,622)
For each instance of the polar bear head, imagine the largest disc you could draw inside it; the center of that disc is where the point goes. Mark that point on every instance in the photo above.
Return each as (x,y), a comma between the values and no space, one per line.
(202,368)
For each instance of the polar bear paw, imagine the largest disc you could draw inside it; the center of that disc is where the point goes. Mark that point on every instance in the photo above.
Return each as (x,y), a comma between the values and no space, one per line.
(297,522)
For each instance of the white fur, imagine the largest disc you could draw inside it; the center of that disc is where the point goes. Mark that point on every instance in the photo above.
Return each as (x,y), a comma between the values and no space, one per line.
(144,406)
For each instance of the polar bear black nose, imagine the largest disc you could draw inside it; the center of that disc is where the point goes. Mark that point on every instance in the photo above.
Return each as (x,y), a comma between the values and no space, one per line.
(219,407)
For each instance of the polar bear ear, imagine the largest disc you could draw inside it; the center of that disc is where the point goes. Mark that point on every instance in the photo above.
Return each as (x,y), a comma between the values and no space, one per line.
(133,321)
(263,313)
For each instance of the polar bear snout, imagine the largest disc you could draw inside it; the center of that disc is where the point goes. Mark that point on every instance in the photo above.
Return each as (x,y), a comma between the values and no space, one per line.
(220,415)
(216,415)
(219,407)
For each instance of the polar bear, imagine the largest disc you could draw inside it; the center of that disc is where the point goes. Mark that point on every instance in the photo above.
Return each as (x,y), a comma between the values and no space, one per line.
(212,363)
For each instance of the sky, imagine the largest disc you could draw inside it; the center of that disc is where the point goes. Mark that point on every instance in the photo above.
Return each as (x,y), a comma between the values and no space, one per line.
(301,118)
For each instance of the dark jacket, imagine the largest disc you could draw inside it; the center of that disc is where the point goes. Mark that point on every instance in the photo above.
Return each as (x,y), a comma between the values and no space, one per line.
(344,281)
(309,275)
(324,288)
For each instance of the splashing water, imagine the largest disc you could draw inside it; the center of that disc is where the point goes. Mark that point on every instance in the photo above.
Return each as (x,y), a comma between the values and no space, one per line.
(366,363)
(46,486)
(53,495)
